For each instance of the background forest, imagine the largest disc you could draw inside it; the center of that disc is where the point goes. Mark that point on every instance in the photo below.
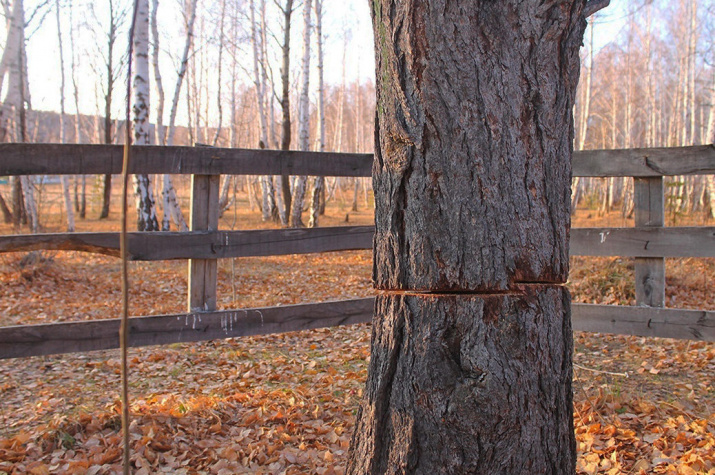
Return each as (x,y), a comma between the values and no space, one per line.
(219,73)
(242,73)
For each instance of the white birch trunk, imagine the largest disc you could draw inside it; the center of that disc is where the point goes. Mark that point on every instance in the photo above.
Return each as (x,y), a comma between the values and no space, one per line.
(319,183)
(219,99)
(303,119)
(171,205)
(146,213)
(17,98)
(159,129)
(267,202)
(65,179)
(710,138)
(81,201)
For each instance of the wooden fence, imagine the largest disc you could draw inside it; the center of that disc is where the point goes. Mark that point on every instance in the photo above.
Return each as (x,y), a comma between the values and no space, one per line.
(649,243)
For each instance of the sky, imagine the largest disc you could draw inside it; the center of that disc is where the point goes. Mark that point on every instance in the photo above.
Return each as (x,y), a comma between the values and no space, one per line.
(347,28)
(347,25)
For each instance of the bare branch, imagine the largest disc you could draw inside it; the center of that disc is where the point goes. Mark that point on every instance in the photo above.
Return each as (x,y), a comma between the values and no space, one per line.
(593,6)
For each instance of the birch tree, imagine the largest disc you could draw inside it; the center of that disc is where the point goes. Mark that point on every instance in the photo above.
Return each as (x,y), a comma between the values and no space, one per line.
(268,205)
(710,138)
(284,180)
(13,64)
(303,118)
(65,179)
(171,205)
(319,181)
(146,212)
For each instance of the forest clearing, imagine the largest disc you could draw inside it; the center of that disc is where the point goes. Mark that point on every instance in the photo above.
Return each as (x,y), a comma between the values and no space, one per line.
(494,255)
(286,403)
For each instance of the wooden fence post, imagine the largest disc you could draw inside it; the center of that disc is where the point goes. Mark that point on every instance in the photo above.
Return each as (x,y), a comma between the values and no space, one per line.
(649,212)
(204,217)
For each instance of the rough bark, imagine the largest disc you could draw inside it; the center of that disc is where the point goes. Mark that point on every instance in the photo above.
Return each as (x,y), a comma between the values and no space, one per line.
(469,384)
(475,143)
(470,370)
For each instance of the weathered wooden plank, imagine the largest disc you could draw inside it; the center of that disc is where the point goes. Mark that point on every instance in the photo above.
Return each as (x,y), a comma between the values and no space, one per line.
(649,201)
(645,162)
(76,337)
(92,159)
(77,159)
(644,242)
(200,244)
(203,273)
(645,321)
(625,242)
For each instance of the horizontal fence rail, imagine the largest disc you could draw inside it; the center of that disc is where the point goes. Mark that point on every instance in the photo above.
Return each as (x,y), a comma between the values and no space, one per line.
(200,244)
(649,243)
(625,242)
(73,337)
(645,162)
(88,159)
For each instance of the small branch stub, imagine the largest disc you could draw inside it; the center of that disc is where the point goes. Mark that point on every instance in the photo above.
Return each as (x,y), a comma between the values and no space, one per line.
(594,6)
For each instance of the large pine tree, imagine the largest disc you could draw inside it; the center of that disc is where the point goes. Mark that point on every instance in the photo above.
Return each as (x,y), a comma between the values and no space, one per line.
(471,348)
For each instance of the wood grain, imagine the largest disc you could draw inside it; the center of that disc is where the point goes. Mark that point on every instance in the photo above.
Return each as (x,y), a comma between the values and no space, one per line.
(200,244)
(91,159)
(626,242)
(646,162)
(78,337)
(203,273)
(644,242)
(649,202)
(645,321)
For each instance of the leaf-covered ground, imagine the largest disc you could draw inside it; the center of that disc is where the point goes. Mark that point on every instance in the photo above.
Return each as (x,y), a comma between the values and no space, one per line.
(286,403)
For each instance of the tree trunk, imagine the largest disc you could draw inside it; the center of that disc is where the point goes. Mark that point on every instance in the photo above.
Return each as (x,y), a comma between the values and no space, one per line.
(111,73)
(12,114)
(285,107)
(268,204)
(168,193)
(296,218)
(710,138)
(65,179)
(146,212)
(471,351)
(6,213)
(319,182)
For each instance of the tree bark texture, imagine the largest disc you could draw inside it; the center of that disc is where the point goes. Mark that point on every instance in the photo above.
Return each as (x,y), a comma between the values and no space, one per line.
(470,370)
(469,384)
(474,112)
(146,212)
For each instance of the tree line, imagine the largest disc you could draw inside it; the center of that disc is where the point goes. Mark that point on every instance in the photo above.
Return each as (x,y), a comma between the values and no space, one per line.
(653,85)
(250,73)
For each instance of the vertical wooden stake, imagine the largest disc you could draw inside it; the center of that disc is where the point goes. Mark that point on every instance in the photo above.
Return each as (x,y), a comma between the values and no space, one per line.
(649,212)
(204,217)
